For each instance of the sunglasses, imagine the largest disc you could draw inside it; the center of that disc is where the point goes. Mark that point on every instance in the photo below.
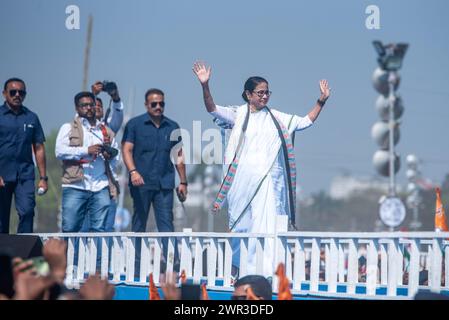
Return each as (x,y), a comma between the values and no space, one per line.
(154,104)
(13,93)
(85,105)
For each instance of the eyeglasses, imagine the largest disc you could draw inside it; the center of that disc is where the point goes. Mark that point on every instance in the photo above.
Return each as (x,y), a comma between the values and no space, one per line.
(85,105)
(154,104)
(261,93)
(13,93)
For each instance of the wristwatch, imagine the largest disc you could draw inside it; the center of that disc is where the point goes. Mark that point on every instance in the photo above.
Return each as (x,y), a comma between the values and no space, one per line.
(183,183)
(45,178)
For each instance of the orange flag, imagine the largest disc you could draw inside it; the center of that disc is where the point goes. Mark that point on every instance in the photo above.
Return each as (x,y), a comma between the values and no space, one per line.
(183,276)
(440,216)
(154,294)
(250,295)
(204,295)
(284,285)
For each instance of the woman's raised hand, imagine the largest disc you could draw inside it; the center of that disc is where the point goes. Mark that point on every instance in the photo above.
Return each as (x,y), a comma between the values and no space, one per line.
(324,89)
(201,71)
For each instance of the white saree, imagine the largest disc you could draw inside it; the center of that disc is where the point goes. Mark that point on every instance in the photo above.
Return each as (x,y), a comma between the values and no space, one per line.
(259,190)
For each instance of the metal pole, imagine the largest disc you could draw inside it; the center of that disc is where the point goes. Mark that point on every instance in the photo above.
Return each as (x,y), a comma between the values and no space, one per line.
(391,81)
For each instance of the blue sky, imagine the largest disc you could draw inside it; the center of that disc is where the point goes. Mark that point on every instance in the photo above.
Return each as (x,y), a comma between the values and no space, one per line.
(143,44)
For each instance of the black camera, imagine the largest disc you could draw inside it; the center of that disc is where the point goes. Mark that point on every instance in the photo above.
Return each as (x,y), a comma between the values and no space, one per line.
(113,152)
(109,87)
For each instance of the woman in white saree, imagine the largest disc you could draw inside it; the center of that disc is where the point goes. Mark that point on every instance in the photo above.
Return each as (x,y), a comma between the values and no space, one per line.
(261,178)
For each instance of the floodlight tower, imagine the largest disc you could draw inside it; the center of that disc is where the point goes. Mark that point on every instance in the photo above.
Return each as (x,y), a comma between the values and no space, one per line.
(386,132)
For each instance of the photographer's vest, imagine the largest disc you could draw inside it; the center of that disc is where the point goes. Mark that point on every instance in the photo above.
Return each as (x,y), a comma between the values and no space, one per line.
(72,170)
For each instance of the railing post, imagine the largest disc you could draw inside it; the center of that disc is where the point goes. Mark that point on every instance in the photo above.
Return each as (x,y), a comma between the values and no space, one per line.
(157,260)
(315,265)
(299,273)
(70,258)
(227,263)
(400,263)
(280,245)
(353,263)
(144,259)
(198,266)
(186,254)
(332,266)
(383,264)
(92,255)
(212,261)
(435,279)
(243,257)
(116,258)
(371,267)
(81,258)
(104,257)
(220,259)
(341,262)
(446,265)
(130,258)
(260,245)
(392,267)
(170,255)
(413,276)
(288,262)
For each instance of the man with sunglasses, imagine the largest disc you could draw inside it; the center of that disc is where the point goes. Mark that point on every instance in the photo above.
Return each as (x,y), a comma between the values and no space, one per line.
(21,134)
(147,150)
(87,181)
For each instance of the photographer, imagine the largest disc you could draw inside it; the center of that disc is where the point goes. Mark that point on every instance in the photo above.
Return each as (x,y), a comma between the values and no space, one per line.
(114,120)
(89,153)
(114,114)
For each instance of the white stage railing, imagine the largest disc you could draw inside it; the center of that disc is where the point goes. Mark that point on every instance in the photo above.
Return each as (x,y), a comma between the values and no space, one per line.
(317,263)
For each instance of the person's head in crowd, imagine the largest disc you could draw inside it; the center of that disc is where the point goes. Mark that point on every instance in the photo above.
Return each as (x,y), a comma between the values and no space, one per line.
(14,92)
(85,105)
(99,112)
(154,101)
(259,284)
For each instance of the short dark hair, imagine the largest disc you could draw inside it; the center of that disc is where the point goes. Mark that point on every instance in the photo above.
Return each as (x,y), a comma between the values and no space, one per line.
(13,80)
(251,84)
(260,285)
(83,94)
(99,99)
(153,91)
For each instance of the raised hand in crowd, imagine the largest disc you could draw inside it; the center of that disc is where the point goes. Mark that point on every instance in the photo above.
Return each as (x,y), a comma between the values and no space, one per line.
(54,252)
(96,288)
(28,286)
(2,183)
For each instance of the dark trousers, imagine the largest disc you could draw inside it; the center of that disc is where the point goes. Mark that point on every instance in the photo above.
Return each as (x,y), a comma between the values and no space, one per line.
(24,198)
(162,201)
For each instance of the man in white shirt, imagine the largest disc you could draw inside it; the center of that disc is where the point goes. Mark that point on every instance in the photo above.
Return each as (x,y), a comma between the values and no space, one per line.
(114,120)
(87,181)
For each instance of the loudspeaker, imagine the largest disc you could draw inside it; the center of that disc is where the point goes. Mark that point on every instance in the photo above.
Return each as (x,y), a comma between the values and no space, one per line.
(21,246)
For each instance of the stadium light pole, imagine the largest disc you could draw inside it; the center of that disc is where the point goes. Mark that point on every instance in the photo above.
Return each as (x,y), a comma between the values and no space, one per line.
(386,81)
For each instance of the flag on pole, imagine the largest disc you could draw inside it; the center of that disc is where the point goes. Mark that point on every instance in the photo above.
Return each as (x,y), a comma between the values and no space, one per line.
(284,292)
(204,295)
(154,294)
(440,216)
